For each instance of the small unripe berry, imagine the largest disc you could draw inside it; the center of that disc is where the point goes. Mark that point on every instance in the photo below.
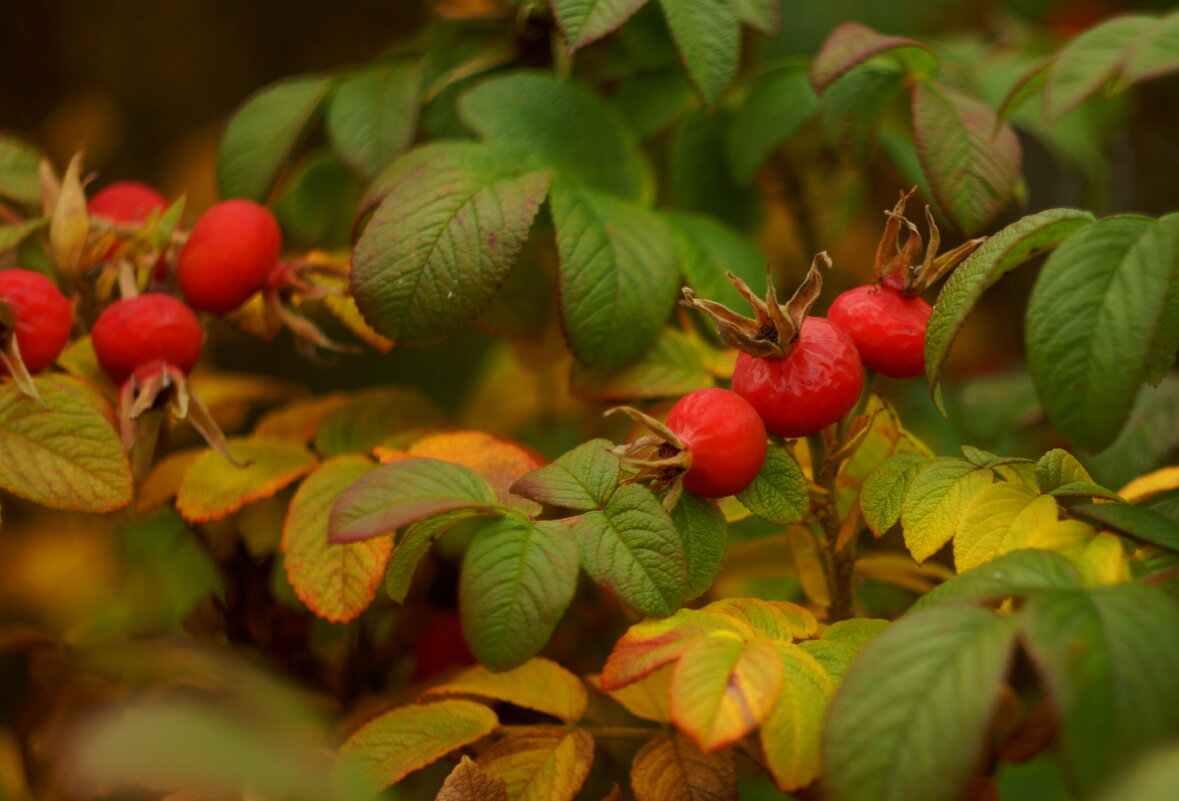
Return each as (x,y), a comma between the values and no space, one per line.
(143,331)
(44,316)
(229,253)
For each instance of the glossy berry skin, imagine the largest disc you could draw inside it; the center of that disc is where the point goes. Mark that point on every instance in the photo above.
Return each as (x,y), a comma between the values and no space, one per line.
(726,438)
(228,256)
(44,316)
(817,384)
(144,330)
(887,327)
(126,202)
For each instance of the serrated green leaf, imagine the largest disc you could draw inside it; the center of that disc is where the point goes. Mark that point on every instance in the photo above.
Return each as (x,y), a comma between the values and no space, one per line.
(447,233)
(855,633)
(927,685)
(517,579)
(1140,522)
(780,101)
(319,205)
(1084,489)
(854,105)
(584,478)
(1150,434)
(562,126)
(1092,321)
(19,170)
(618,276)
(937,498)
(851,44)
(413,544)
(395,495)
(764,16)
(972,174)
(702,529)
(1154,53)
(1058,467)
(650,101)
(779,492)
(585,21)
(1014,245)
(674,365)
(1109,657)
(1024,89)
(698,180)
(632,548)
(835,657)
(708,249)
(1088,62)
(707,34)
(372,116)
(884,491)
(1014,573)
(372,417)
(264,132)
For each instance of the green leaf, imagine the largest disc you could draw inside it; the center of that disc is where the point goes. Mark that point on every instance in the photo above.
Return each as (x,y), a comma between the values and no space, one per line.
(373,116)
(585,21)
(851,44)
(1140,522)
(618,276)
(1026,87)
(702,529)
(674,365)
(1154,53)
(1014,245)
(1057,468)
(708,249)
(1015,573)
(372,417)
(395,495)
(707,34)
(972,174)
(319,204)
(650,101)
(1093,319)
(20,163)
(13,235)
(1109,657)
(443,239)
(517,579)
(263,134)
(938,496)
(855,633)
(883,494)
(764,16)
(563,126)
(927,685)
(779,492)
(1088,62)
(779,103)
(698,180)
(64,454)
(584,478)
(1084,489)
(632,548)
(413,545)
(854,105)
(1148,437)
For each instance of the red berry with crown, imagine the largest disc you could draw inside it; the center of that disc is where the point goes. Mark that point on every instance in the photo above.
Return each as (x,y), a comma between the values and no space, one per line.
(144,331)
(229,254)
(725,438)
(43,316)
(887,327)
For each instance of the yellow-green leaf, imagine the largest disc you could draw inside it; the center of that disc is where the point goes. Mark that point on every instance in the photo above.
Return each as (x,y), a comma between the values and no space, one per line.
(648,698)
(65,454)
(791,735)
(1151,484)
(336,582)
(299,419)
(164,478)
(937,498)
(671,768)
(774,620)
(653,643)
(808,565)
(401,741)
(541,763)
(1101,560)
(469,782)
(538,684)
(214,487)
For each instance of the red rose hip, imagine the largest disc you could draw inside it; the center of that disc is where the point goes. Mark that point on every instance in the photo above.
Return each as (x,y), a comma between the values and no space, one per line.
(726,440)
(887,327)
(44,316)
(230,252)
(146,330)
(126,202)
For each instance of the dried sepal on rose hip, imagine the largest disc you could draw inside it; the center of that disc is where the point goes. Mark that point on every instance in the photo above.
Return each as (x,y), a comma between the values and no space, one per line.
(713,444)
(887,318)
(800,373)
(35,323)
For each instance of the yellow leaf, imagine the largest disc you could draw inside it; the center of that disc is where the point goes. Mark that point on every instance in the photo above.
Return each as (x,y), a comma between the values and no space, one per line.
(671,768)
(299,419)
(541,763)
(345,310)
(213,487)
(791,735)
(1151,484)
(653,643)
(775,620)
(538,684)
(65,454)
(939,495)
(1006,516)
(648,698)
(723,687)
(336,582)
(808,564)
(230,396)
(70,224)
(900,570)
(1101,560)
(469,782)
(401,741)
(164,478)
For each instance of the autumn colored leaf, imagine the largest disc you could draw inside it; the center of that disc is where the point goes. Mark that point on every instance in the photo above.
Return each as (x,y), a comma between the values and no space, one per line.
(213,487)
(671,768)
(164,478)
(938,496)
(299,419)
(791,735)
(501,462)
(541,763)
(808,564)
(64,454)
(653,643)
(774,620)
(852,44)
(1146,487)
(539,684)
(648,698)
(723,687)
(406,739)
(469,782)
(336,582)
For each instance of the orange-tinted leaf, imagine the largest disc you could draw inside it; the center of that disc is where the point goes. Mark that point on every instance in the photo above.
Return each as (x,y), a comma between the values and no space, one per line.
(671,768)
(500,461)
(406,739)
(792,732)
(299,419)
(775,620)
(723,687)
(541,763)
(336,582)
(469,782)
(538,684)
(648,698)
(164,479)
(213,487)
(653,643)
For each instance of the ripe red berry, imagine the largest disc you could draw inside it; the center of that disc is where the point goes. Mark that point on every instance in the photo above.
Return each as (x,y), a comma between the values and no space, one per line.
(887,327)
(815,385)
(145,330)
(725,437)
(44,316)
(228,256)
(126,202)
